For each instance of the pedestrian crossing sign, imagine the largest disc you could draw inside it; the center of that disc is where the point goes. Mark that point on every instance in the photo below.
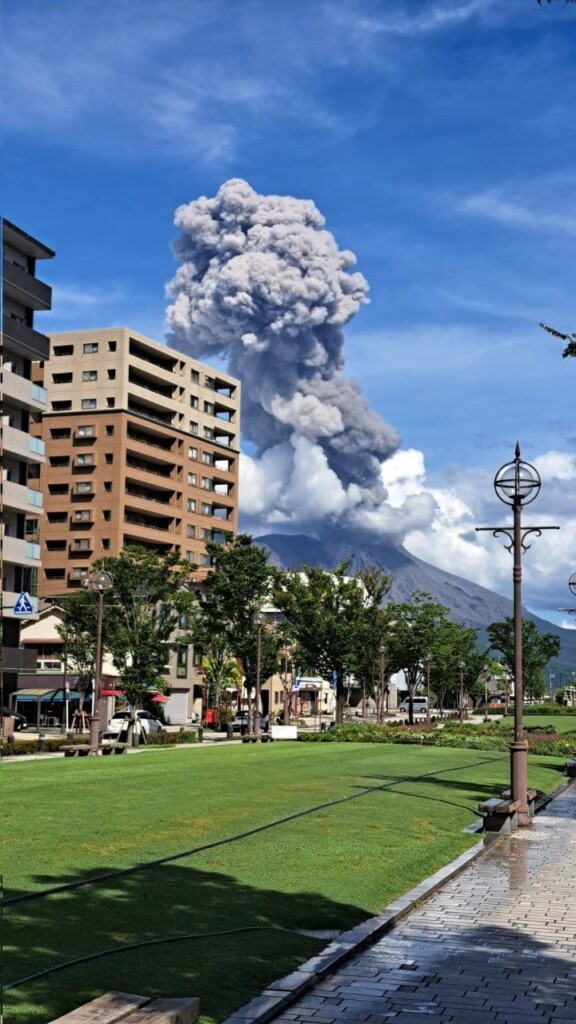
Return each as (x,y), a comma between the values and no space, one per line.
(23,605)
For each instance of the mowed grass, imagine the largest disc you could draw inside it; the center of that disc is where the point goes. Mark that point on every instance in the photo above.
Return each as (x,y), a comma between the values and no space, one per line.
(69,819)
(559,723)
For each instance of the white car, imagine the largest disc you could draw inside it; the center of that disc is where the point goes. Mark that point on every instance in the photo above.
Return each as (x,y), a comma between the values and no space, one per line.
(144,721)
(420,705)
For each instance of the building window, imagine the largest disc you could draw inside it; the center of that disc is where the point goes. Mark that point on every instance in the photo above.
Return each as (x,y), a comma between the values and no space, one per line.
(191,504)
(107,515)
(111,346)
(88,375)
(206,483)
(90,348)
(109,457)
(85,431)
(190,530)
(111,374)
(193,427)
(182,662)
(83,515)
(56,545)
(88,403)
(60,433)
(78,574)
(58,488)
(198,657)
(192,453)
(190,557)
(109,430)
(209,408)
(61,378)
(207,458)
(209,433)
(59,460)
(84,488)
(192,479)
(205,560)
(61,406)
(106,543)
(63,350)
(206,509)
(193,401)
(110,402)
(206,533)
(54,574)
(194,376)
(57,517)
(108,486)
(84,460)
(82,544)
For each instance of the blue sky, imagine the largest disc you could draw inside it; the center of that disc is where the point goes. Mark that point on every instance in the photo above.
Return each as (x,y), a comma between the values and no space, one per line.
(436,137)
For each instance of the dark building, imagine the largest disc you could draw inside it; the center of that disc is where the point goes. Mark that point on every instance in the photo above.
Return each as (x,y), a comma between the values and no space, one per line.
(21,454)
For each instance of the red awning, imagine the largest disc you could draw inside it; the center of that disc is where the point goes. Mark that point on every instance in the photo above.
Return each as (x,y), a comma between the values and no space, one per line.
(111,693)
(159,699)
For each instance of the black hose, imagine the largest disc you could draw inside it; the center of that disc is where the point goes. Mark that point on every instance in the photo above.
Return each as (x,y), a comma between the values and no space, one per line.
(141,945)
(122,872)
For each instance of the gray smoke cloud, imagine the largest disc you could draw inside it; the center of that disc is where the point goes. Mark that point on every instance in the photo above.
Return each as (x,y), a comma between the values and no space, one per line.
(263,285)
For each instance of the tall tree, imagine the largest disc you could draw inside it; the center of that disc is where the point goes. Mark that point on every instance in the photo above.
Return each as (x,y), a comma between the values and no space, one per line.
(537,650)
(325,612)
(372,635)
(78,633)
(144,614)
(232,595)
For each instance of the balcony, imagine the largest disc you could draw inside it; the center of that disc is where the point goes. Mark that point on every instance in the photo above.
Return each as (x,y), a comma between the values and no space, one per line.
(157,469)
(18,659)
(148,522)
(21,552)
(23,445)
(9,599)
(150,413)
(21,498)
(134,490)
(24,340)
(25,288)
(23,393)
(151,440)
(151,356)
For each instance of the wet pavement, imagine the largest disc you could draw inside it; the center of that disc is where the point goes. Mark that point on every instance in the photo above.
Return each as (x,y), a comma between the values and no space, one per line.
(497,943)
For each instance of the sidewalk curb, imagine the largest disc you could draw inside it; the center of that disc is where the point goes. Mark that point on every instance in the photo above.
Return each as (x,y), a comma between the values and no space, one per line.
(283,993)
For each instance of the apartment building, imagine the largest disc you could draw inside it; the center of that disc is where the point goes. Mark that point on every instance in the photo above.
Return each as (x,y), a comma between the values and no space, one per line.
(141,448)
(23,402)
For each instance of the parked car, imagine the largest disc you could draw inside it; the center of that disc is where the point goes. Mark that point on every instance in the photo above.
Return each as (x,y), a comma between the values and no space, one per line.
(120,720)
(20,722)
(420,705)
(240,721)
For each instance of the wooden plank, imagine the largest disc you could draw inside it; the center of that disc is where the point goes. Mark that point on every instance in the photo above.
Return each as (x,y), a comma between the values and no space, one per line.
(167,1011)
(108,1009)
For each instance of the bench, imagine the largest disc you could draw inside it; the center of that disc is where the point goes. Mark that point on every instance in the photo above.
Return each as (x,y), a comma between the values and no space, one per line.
(531,796)
(121,1006)
(571,767)
(499,815)
(83,749)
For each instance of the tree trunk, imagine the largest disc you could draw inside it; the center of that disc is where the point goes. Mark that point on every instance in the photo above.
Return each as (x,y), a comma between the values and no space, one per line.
(340,699)
(410,708)
(286,708)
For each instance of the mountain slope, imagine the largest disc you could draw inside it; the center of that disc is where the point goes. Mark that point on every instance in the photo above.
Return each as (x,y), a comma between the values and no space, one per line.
(469,603)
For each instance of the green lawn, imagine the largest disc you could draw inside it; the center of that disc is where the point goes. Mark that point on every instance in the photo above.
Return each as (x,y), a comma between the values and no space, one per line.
(64,819)
(560,723)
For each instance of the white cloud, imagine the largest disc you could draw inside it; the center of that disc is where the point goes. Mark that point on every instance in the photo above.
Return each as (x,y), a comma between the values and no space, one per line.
(556,465)
(511,212)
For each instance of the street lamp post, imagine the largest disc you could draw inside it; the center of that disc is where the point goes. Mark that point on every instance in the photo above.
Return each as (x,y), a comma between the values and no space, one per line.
(517,484)
(461,667)
(428,664)
(99,582)
(486,678)
(259,619)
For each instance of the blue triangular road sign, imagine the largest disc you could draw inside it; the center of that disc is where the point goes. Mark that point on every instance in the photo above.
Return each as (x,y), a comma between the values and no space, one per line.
(23,605)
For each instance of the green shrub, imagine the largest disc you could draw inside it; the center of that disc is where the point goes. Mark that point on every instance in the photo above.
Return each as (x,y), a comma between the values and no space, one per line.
(167,739)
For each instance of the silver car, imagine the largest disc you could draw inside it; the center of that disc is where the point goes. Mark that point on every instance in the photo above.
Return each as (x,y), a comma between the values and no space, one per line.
(145,721)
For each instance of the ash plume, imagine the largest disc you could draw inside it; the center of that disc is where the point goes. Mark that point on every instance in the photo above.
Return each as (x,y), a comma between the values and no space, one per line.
(263,285)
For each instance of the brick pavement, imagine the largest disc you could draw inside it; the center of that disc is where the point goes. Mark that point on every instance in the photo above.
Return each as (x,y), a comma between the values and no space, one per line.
(495,944)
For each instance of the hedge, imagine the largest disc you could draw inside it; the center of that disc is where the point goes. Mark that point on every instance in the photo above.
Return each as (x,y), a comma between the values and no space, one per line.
(166,739)
(491,736)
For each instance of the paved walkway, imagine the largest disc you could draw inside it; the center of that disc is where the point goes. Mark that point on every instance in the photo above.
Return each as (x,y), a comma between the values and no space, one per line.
(497,943)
